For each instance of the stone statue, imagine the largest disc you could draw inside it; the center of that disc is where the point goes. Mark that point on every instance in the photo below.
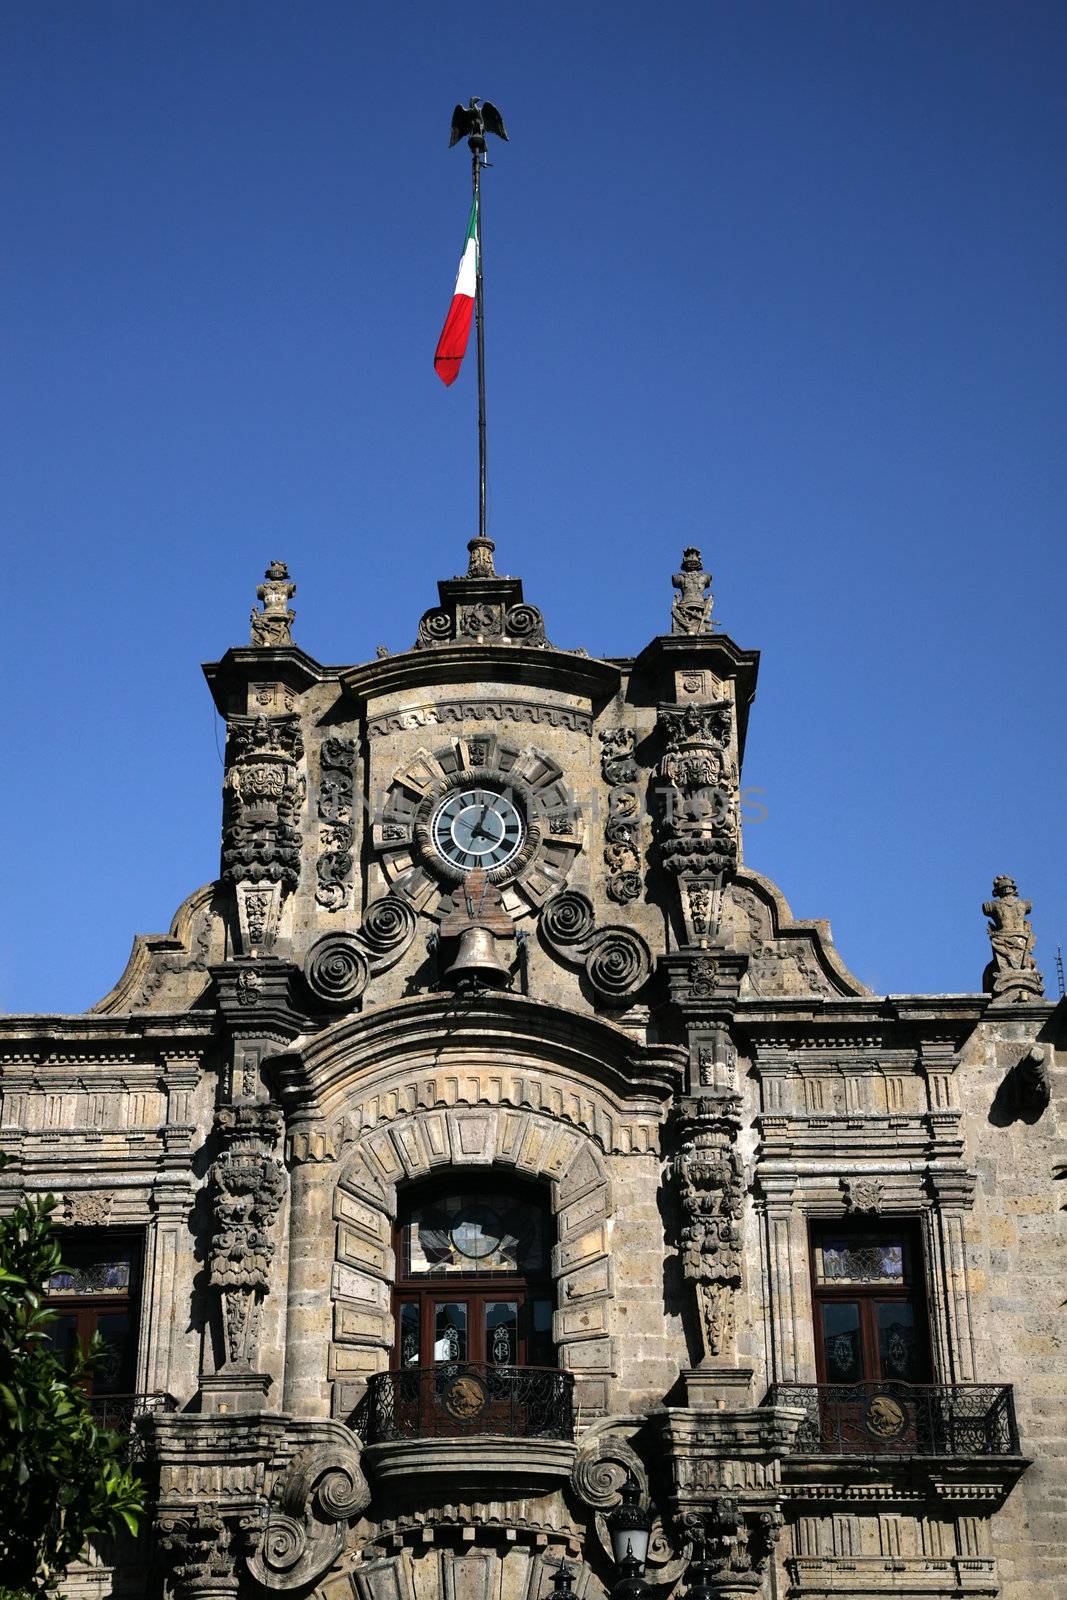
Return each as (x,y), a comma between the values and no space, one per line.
(273,625)
(691,612)
(1012,973)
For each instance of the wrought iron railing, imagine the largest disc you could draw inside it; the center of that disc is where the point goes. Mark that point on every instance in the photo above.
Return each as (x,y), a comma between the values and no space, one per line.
(118,1413)
(461,1398)
(902,1419)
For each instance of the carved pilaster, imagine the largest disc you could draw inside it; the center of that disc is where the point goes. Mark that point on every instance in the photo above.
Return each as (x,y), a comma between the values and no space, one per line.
(247,1184)
(263,795)
(697,822)
(709,1183)
(201,1550)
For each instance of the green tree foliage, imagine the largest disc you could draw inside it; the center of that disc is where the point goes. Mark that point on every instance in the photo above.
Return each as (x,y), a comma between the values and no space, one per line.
(61,1478)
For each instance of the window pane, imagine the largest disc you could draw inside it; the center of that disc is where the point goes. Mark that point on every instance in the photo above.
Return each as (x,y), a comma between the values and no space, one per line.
(112,1375)
(899,1355)
(541,1353)
(450,1331)
(502,1332)
(476,1233)
(410,1341)
(859,1260)
(62,1335)
(841,1342)
(107,1274)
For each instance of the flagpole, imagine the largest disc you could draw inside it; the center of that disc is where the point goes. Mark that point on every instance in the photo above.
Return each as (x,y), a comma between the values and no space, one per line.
(479,316)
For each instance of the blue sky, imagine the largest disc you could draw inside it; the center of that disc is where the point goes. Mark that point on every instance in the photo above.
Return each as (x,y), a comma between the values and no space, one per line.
(781,280)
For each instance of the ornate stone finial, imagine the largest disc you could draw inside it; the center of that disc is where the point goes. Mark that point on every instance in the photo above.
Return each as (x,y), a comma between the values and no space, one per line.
(480,564)
(691,612)
(273,625)
(1012,974)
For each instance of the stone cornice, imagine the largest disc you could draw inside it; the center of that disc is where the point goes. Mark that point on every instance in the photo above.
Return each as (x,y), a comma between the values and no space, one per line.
(499,1031)
(470,664)
(670,653)
(134,1037)
(246,664)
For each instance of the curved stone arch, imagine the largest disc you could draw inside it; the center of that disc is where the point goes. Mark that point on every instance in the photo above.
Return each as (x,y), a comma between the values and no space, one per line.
(465,1138)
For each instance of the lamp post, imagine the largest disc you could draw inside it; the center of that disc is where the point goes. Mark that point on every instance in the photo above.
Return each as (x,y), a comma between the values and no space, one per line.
(628,1528)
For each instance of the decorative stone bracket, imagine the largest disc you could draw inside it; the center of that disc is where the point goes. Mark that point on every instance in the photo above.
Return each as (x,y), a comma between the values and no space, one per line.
(725,1496)
(318,1494)
(617,961)
(269,1494)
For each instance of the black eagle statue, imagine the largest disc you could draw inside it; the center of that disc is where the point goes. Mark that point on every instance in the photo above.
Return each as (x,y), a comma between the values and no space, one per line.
(472,122)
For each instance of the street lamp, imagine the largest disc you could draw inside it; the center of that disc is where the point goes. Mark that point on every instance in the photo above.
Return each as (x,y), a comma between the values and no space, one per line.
(561,1589)
(700,1573)
(628,1528)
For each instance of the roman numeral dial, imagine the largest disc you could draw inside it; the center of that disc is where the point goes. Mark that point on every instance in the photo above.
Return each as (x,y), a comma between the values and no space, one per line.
(478,827)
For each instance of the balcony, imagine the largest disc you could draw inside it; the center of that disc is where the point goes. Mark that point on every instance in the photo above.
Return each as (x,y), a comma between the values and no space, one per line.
(118,1413)
(470,1420)
(902,1419)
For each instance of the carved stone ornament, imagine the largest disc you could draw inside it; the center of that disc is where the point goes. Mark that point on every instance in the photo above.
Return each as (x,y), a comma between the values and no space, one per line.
(622,843)
(481,608)
(733,1546)
(709,1184)
(262,797)
(617,961)
(691,611)
(86,1208)
(1012,973)
(337,762)
(202,1549)
(863,1194)
(247,1186)
(273,625)
(258,906)
(529,779)
(322,1491)
(339,966)
(697,793)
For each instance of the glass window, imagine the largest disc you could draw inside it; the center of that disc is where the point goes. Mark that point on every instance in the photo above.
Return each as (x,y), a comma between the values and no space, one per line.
(870,1317)
(95,1293)
(473,1233)
(493,1248)
(450,1331)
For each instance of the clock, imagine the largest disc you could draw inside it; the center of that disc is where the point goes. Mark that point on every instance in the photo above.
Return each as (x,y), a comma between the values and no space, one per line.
(478,826)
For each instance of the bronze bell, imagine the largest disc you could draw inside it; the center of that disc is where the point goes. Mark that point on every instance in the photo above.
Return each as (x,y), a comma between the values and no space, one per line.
(476,917)
(477,963)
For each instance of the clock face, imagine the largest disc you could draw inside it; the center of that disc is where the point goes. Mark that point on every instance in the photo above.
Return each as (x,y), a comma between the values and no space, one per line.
(478,827)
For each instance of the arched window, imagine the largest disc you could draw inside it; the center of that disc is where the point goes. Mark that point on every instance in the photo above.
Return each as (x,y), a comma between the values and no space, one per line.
(474,1275)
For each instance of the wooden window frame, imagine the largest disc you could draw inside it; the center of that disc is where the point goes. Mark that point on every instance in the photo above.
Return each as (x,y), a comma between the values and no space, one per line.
(475,1288)
(87,1308)
(912,1291)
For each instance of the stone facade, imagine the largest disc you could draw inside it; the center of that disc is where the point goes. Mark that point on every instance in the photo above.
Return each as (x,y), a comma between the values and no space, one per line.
(622,1023)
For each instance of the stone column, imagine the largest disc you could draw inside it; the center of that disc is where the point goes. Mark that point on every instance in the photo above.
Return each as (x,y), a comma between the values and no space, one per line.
(308,1311)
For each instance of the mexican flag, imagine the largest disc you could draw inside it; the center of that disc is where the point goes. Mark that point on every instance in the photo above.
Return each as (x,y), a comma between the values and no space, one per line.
(452,345)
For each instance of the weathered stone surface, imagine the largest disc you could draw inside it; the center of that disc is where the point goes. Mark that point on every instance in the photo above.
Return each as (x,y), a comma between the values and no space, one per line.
(689,1076)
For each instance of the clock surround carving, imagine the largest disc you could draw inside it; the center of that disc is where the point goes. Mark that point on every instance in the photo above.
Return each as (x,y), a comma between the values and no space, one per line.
(528,777)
